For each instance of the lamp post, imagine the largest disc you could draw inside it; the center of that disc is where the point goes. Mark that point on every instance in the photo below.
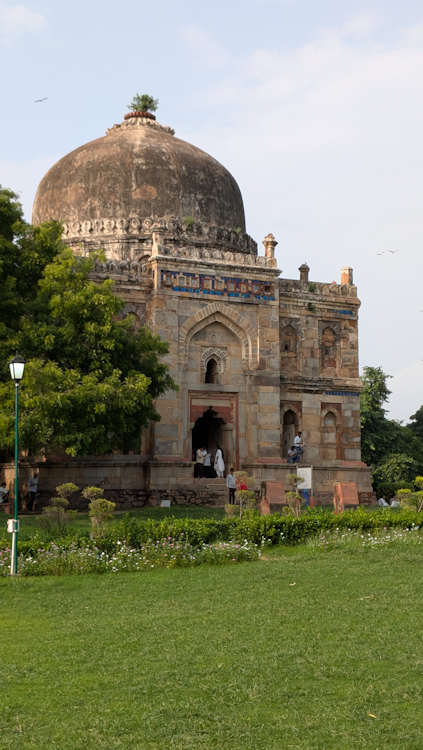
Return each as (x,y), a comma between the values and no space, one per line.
(17,366)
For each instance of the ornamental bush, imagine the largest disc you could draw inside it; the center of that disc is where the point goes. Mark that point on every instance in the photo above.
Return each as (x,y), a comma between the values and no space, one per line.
(251,527)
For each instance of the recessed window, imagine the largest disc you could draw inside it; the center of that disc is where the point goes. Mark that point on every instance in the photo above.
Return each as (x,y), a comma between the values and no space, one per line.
(167,279)
(231,286)
(256,288)
(207,284)
(287,346)
(267,289)
(244,288)
(212,375)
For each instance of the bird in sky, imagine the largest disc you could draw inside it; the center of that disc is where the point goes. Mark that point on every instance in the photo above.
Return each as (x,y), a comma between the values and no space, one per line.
(394,251)
(40,100)
(380,253)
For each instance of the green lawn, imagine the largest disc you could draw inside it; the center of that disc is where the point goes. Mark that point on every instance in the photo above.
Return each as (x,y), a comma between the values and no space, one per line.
(218,658)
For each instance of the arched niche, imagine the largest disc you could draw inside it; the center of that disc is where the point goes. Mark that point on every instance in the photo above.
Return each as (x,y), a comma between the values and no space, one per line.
(331,431)
(290,424)
(289,348)
(215,343)
(329,350)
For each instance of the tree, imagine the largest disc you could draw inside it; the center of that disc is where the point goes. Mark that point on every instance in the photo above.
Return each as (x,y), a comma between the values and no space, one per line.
(393,450)
(416,425)
(24,253)
(143,103)
(380,436)
(90,381)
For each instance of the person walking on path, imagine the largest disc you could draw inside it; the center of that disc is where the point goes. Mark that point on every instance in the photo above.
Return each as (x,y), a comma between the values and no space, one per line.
(219,464)
(231,485)
(33,489)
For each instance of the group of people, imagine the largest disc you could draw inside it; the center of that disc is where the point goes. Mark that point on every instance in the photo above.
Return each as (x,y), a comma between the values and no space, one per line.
(205,465)
(32,485)
(393,502)
(296,450)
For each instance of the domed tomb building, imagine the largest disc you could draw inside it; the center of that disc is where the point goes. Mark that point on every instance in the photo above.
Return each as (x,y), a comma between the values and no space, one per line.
(257,357)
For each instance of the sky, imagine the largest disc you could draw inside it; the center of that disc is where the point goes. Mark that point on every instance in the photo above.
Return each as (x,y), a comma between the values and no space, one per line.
(316,107)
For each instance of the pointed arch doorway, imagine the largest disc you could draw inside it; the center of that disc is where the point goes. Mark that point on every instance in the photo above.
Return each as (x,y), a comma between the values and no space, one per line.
(213,422)
(207,431)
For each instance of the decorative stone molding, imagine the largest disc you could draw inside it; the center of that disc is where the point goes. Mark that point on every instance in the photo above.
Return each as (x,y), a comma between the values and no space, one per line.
(213,352)
(137,121)
(173,229)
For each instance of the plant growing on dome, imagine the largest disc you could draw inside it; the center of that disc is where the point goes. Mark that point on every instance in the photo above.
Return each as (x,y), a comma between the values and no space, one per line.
(143,103)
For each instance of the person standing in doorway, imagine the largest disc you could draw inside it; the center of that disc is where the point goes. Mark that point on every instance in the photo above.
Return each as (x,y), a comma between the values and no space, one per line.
(207,465)
(231,485)
(33,489)
(299,447)
(199,462)
(219,464)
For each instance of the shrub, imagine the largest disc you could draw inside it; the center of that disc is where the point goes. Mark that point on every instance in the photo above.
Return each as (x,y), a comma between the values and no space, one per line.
(55,515)
(100,510)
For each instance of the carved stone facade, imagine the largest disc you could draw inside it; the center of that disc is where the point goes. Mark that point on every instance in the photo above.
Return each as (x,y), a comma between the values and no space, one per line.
(256,357)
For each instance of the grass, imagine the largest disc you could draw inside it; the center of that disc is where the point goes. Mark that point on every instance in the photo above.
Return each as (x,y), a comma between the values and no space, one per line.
(309,650)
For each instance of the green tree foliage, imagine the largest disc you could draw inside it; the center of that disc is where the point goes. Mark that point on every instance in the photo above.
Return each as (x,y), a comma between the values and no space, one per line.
(143,103)
(416,424)
(380,436)
(395,452)
(90,381)
(24,253)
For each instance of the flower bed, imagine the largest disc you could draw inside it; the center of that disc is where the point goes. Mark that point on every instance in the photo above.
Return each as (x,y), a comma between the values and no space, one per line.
(354,540)
(166,553)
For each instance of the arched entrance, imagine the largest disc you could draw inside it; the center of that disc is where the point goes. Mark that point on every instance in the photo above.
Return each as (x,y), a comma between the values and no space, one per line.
(207,431)
(289,430)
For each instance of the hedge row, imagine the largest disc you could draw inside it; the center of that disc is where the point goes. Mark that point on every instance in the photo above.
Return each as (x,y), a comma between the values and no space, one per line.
(252,527)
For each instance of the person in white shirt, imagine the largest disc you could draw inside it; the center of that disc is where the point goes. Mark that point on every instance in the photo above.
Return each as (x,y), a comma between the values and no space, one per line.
(231,485)
(3,493)
(33,489)
(299,446)
(207,465)
(219,464)
(199,462)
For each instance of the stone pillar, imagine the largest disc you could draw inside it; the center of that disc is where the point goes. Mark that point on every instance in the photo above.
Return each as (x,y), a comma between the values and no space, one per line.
(304,269)
(269,243)
(346,275)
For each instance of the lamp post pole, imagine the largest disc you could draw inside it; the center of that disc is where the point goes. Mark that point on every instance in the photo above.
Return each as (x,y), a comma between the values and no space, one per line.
(17,366)
(14,560)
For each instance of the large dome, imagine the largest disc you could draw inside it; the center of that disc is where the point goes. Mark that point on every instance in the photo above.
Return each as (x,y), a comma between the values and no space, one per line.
(139,169)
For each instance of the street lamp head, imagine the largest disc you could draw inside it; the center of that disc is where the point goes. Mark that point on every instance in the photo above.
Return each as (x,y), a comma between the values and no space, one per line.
(17,366)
